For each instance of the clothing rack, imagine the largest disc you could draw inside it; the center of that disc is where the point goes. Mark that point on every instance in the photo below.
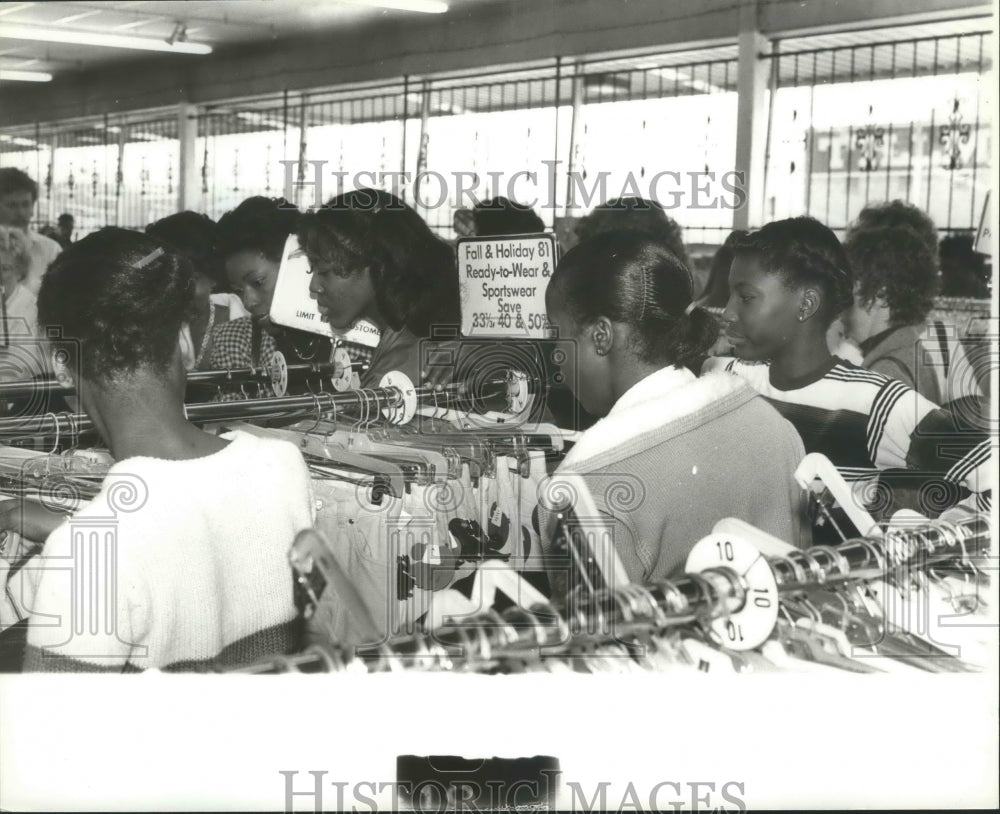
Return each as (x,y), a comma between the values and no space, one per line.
(867,557)
(634,613)
(396,399)
(261,375)
(529,633)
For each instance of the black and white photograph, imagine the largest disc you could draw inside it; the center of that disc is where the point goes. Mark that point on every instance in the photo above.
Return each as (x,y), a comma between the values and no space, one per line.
(498,405)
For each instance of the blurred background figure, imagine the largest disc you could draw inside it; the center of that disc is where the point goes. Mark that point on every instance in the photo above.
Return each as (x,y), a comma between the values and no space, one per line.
(502,216)
(898,213)
(21,356)
(18,196)
(716,291)
(65,226)
(896,280)
(463,223)
(636,215)
(964,271)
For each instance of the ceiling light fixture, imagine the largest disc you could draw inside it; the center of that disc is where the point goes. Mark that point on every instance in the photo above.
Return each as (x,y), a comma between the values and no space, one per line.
(20,142)
(423,6)
(100,40)
(179,34)
(683,79)
(24,76)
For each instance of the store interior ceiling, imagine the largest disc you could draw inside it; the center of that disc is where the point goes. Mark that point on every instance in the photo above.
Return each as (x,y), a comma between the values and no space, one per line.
(219,23)
(222,24)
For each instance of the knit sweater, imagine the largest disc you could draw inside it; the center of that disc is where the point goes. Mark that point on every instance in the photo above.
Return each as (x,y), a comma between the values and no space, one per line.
(675,455)
(929,358)
(174,563)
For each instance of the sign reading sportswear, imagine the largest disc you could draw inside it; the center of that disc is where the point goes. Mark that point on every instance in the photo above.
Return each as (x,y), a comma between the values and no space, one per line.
(292,306)
(502,281)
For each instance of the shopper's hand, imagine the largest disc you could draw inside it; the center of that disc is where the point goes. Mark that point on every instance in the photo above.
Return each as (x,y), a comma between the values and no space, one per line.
(438,375)
(13,240)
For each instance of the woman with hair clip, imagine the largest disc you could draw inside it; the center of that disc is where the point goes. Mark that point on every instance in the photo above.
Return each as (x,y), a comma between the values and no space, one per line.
(202,523)
(372,256)
(686,450)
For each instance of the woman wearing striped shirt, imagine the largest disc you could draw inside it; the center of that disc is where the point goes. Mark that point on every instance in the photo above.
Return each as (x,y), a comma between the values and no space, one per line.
(788,282)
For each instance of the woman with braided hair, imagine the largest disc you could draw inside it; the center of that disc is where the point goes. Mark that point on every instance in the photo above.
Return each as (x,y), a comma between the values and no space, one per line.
(678,446)
(789,281)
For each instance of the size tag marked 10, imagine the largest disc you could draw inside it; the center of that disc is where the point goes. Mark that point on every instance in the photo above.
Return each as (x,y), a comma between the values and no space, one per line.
(752,625)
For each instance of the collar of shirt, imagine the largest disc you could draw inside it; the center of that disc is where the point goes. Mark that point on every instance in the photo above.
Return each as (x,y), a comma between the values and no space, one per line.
(653,386)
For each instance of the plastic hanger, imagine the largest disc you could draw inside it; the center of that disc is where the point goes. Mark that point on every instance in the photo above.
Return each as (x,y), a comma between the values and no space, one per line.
(487,582)
(805,641)
(429,464)
(313,448)
(815,466)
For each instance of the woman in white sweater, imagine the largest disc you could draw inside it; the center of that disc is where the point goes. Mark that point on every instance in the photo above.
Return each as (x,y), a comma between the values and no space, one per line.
(181,560)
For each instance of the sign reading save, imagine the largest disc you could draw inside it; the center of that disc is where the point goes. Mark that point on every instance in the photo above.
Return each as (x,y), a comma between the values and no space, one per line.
(503,282)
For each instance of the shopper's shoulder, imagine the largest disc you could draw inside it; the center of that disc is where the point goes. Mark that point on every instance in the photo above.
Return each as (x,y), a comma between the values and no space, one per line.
(234,328)
(44,245)
(273,451)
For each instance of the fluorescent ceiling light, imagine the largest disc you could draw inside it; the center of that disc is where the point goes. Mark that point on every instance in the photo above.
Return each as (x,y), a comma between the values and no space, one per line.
(20,142)
(96,38)
(448,107)
(683,79)
(259,119)
(15,9)
(24,76)
(424,6)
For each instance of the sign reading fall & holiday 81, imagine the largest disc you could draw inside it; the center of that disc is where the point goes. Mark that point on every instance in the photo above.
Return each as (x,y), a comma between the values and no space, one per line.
(503,282)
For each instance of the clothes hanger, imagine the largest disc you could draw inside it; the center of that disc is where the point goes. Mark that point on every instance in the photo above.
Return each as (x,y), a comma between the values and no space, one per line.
(876,637)
(323,460)
(806,643)
(427,464)
(815,466)
(487,582)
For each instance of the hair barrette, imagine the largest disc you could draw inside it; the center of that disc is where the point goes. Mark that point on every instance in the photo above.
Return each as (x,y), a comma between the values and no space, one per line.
(149,258)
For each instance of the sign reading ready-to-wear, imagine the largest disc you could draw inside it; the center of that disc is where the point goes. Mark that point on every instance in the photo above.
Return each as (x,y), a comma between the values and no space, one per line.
(292,306)
(503,282)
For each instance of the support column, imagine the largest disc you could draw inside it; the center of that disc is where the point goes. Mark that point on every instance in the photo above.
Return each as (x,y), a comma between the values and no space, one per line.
(188,182)
(575,135)
(752,116)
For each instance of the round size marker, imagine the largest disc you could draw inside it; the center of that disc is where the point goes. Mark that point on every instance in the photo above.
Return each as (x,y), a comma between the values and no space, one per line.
(403,413)
(344,379)
(279,374)
(750,626)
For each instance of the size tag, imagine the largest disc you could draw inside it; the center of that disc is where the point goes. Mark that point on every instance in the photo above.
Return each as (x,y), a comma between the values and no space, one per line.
(752,625)
(279,374)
